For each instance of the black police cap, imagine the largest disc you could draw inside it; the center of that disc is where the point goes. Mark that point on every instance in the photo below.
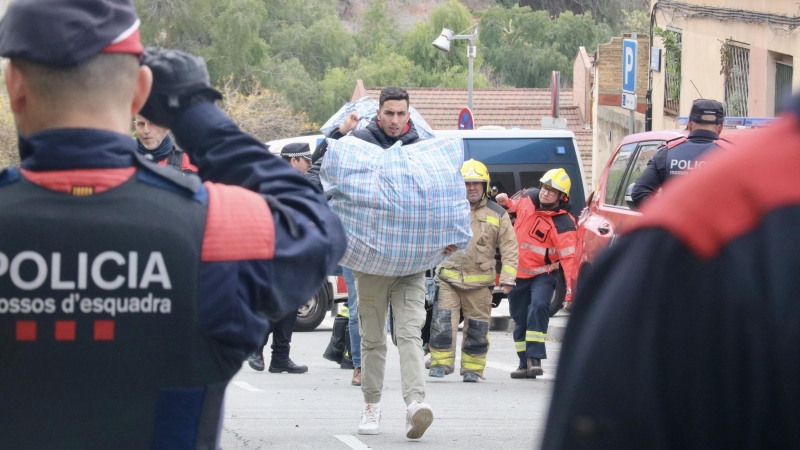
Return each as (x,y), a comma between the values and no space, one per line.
(707,111)
(64,33)
(297,150)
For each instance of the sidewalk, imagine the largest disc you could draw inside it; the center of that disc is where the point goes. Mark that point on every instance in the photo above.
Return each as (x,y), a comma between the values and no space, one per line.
(502,321)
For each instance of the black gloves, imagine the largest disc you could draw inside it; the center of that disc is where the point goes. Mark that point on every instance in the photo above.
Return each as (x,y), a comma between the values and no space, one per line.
(179,81)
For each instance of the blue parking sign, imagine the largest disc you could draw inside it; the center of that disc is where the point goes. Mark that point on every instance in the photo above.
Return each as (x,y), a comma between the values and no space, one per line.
(629,47)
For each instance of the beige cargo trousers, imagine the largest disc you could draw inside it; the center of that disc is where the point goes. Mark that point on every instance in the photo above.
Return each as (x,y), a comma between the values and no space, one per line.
(407,296)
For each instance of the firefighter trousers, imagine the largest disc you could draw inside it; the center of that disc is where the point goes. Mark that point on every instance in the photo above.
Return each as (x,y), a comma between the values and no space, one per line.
(529,305)
(476,306)
(407,296)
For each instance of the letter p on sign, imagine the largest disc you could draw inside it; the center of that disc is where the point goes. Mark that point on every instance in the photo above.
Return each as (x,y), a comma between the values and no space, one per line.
(629,48)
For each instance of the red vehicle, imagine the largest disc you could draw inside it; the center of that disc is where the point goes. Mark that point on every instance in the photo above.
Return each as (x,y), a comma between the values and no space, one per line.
(609,210)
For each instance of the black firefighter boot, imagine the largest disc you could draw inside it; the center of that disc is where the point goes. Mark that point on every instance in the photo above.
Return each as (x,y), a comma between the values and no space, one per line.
(522,370)
(347,357)
(335,350)
(534,367)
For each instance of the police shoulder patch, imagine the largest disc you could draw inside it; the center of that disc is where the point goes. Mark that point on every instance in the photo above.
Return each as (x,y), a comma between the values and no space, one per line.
(496,208)
(564,223)
(170,179)
(8,176)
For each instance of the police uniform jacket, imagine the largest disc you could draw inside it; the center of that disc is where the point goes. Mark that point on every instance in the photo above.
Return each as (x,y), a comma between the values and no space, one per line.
(671,161)
(686,332)
(130,294)
(546,238)
(476,265)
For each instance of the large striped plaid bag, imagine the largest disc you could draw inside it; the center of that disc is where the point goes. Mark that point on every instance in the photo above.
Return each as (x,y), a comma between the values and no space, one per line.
(367,109)
(401,206)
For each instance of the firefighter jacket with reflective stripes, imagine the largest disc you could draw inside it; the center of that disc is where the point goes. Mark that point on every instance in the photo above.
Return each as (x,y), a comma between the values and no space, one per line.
(546,238)
(130,294)
(476,266)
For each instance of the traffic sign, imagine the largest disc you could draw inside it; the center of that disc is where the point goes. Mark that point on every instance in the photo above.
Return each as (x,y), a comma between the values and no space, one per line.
(629,47)
(629,101)
(465,120)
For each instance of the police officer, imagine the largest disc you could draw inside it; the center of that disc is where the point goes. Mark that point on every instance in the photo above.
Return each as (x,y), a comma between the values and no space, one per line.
(298,155)
(685,333)
(546,235)
(463,280)
(680,157)
(130,294)
(155,144)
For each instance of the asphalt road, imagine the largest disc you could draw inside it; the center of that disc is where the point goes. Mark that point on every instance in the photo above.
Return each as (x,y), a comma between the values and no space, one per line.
(321,410)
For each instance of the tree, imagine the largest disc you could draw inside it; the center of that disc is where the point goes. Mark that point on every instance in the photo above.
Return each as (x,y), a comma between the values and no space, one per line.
(518,46)
(416,42)
(607,11)
(638,21)
(290,78)
(236,48)
(572,31)
(323,45)
(377,30)
(263,114)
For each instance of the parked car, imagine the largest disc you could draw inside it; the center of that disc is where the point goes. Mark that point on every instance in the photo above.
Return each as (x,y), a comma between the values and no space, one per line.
(609,210)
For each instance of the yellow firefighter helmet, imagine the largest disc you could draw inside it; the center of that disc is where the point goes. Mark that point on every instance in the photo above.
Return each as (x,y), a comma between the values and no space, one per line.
(475,171)
(558,180)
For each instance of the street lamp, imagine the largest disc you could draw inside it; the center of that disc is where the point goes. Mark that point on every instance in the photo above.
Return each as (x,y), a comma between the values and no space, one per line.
(443,43)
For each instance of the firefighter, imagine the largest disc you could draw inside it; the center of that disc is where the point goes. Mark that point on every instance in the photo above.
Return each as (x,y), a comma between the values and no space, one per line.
(682,156)
(546,234)
(466,279)
(130,294)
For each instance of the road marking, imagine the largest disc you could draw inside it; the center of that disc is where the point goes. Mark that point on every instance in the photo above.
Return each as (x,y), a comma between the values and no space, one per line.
(247,386)
(351,441)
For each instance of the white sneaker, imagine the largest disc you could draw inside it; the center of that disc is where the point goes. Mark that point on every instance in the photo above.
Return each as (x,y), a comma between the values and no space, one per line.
(419,417)
(370,420)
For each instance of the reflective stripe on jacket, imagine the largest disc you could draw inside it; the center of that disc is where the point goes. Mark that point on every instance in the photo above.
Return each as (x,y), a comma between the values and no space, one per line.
(546,238)
(476,266)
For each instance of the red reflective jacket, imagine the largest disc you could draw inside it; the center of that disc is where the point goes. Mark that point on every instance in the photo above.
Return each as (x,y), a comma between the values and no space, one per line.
(546,238)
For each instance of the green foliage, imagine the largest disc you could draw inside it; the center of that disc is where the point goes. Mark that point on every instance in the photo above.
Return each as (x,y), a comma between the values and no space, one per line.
(290,78)
(638,21)
(416,43)
(672,55)
(300,51)
(610,12)
(236,47)
(377,30)
(323,45)
(523,47)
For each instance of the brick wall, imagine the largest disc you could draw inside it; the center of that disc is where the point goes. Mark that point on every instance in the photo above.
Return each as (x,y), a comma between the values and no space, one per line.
(608,71)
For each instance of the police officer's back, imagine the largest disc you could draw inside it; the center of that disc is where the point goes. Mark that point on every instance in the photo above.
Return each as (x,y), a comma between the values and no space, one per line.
(681,157)
(130,293)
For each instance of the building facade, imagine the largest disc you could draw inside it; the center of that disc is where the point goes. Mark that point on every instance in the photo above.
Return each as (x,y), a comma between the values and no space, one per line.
(740,52)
